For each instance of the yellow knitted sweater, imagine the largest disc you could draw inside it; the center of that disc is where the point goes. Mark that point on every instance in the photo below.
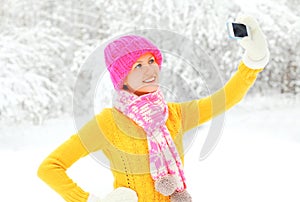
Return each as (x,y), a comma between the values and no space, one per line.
(125,144)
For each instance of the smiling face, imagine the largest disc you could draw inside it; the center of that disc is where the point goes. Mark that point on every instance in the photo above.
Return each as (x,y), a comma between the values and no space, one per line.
(144,75)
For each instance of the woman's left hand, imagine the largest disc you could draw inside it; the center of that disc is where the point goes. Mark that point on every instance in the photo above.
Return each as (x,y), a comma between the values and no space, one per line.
(121,194)
(256,47)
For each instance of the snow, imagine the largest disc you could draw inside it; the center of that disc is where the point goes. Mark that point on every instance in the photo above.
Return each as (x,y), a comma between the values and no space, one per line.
(42,51)
(41,55)
(257,158)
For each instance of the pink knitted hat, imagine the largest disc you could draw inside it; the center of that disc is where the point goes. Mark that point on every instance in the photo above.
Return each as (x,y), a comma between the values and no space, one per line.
(123,52)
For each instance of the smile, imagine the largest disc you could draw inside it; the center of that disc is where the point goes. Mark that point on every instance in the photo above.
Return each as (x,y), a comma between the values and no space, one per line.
(150,80)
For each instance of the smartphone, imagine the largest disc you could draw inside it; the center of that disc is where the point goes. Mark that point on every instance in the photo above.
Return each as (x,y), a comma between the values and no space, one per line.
(238,30)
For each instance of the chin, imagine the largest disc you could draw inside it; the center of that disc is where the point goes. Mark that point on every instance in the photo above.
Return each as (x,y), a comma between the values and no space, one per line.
(147,89)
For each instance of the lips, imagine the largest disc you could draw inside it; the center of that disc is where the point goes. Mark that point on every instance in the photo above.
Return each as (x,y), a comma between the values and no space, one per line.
(150,80)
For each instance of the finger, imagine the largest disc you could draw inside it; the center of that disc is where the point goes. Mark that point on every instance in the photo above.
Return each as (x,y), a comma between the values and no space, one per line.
(248,20)
(245,42)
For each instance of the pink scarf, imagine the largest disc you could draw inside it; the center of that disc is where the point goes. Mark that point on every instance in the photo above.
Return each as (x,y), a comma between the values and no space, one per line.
(150,112)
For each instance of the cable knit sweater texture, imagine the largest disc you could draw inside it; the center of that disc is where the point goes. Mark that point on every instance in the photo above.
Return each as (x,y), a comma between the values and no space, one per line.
(124,143)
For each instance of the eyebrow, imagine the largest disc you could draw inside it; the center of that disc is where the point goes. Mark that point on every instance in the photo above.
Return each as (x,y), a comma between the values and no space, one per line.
(142,61)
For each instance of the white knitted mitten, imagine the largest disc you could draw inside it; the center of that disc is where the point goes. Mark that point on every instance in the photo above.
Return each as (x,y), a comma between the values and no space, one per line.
(121,194)
(256,47)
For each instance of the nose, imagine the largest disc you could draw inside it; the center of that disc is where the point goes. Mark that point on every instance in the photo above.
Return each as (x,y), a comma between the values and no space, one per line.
(147,69)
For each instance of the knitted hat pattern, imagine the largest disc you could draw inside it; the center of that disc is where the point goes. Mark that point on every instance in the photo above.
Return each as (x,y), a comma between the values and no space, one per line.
(123,52)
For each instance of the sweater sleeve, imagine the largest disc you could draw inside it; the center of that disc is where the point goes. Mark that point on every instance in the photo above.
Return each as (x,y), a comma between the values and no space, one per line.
(197,112)
(53,169)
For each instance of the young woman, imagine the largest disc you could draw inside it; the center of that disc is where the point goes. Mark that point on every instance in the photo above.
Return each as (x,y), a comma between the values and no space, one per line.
(142,134)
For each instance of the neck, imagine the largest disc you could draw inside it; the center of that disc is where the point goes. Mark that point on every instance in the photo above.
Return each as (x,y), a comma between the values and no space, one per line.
(138,93)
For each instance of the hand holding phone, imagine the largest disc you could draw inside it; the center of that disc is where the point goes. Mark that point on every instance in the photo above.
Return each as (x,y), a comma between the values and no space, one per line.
(254,41)
(238,30)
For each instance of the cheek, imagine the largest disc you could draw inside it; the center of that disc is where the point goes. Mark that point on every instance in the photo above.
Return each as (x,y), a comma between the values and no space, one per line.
(157,70)
(134,80)
(154,68)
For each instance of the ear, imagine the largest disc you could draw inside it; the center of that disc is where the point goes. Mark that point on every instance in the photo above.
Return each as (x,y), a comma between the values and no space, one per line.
(125,87)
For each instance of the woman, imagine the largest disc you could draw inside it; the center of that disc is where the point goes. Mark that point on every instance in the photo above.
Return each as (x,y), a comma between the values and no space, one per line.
(142,134)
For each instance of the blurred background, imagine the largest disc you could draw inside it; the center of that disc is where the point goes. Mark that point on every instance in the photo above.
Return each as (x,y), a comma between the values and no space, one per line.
(44,43)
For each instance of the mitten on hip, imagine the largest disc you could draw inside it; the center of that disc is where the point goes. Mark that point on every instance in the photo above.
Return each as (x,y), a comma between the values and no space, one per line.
(121,194)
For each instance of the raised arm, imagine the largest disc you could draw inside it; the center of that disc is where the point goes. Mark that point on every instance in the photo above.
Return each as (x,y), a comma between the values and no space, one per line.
(197,112)
(254,60)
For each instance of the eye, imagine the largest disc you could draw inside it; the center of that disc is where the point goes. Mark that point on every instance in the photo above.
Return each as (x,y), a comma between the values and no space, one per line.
(138,66)
(151,61)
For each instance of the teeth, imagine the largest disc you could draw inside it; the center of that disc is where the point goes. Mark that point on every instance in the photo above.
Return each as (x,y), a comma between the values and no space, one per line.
(149,80)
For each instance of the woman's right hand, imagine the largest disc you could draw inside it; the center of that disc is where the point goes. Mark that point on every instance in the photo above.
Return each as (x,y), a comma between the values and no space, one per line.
(121,194)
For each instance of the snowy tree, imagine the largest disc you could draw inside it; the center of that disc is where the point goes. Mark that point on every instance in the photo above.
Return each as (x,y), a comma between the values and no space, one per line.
(44,43)
(284,39)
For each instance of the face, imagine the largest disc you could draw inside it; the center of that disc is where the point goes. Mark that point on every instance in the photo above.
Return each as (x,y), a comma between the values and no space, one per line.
(144,75)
